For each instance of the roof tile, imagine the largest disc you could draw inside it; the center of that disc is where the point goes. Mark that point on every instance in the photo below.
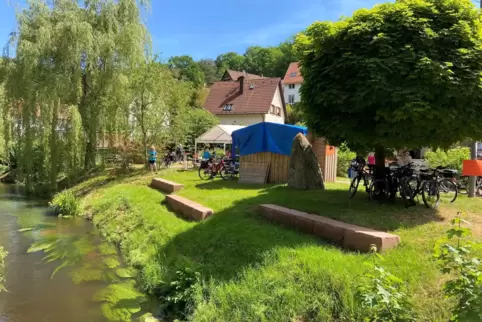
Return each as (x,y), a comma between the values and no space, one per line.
(297,79)
(254,101)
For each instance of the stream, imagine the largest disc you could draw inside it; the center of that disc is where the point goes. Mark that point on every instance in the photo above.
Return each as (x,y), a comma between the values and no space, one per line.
(60,270)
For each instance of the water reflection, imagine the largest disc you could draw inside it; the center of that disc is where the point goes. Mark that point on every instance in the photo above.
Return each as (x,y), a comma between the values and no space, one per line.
(60,270)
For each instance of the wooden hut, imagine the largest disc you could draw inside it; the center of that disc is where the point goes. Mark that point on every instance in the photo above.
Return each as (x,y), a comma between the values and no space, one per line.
(265,150)
(327,156)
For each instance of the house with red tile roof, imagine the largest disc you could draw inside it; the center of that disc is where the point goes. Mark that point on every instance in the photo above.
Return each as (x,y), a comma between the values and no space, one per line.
(292,83)
(247,101)
(232,75)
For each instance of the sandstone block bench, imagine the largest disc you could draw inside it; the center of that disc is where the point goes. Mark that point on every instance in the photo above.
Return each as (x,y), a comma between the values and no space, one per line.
(187,208)
(166,185)
(347,235)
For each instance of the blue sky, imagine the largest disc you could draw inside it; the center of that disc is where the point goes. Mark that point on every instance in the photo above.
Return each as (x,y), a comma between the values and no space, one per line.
(204,29)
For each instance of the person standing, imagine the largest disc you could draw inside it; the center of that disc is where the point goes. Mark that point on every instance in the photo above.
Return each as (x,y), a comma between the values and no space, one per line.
(152,159)
(206,154)
(371,158)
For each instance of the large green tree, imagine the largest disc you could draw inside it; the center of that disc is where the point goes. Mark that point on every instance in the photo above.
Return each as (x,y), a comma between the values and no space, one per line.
(69,53)
(403,74)
(186,69)
(230,60)
(208,67)
(159,102)
(262,60)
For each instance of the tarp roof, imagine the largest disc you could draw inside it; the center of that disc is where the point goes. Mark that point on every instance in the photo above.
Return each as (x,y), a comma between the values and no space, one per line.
(219,134)
(266,137)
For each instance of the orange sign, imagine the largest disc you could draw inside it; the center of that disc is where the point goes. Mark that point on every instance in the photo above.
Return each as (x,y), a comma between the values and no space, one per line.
(330,150)
(472,168)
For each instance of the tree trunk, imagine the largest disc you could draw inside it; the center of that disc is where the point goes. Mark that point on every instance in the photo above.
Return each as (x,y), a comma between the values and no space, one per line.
(379,162)
(54,149)
(144,142)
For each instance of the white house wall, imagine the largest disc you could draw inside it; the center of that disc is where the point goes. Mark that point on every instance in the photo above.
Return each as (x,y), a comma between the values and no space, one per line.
(240,119)
(292,91)
(277,102)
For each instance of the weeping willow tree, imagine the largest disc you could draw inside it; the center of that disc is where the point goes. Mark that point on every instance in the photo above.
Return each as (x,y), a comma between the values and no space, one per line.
(68,82)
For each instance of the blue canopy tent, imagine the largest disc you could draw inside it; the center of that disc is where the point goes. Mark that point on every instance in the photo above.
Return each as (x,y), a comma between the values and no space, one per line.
(266,137)
(267,143)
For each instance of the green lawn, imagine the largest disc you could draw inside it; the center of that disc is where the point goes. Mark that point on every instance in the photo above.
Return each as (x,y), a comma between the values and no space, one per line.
(253,270)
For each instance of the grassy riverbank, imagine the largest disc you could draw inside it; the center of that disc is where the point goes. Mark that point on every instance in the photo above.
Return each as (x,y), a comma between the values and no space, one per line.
(251,270)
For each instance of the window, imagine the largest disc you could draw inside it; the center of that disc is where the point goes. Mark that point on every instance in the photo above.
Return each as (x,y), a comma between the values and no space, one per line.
(291,99)
(291,86)
(228,107)
(278,111)
(293,74)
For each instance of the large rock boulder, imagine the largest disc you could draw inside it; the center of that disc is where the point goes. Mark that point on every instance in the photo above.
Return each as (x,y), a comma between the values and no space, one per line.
(304,172)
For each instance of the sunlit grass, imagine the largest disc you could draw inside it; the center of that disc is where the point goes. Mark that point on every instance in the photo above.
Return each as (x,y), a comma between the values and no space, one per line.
(254,270)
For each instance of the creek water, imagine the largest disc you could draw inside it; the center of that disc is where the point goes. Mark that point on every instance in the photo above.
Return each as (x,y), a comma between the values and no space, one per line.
(60,270)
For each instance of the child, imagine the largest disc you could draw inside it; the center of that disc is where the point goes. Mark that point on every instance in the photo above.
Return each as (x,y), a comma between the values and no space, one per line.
(152,159)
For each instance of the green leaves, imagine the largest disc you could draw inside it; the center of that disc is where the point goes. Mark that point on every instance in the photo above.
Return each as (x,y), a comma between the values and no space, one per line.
(65,204)
(383,296)
(120,301)
(390,75)
(454,257)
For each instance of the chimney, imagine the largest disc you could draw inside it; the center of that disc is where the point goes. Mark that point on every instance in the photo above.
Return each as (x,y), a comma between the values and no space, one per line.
(241,84)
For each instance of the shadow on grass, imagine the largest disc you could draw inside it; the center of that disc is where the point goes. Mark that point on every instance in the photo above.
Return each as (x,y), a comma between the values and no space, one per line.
(112,177)
(237,237)
(213,184)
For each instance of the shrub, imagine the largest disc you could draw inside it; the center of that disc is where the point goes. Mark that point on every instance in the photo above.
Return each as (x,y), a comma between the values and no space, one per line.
(454,258)
(383,296)
(65,204)
(179,294)
(3,254)
(345,155)
(451,158)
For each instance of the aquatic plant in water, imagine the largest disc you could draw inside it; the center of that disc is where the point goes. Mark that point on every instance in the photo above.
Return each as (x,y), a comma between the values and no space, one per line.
(3,254)
(91,260)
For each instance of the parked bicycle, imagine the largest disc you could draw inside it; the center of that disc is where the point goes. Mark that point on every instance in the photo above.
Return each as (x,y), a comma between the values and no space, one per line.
(463,184)
(209,169)
(358,165)
(434,184)
(394,181)
(230,170)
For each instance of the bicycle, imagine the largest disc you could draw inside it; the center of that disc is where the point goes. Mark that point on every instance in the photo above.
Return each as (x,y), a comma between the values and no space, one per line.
(394,181)
(463,183)
(444,181)
(362,174)
(230,170)
(209,169)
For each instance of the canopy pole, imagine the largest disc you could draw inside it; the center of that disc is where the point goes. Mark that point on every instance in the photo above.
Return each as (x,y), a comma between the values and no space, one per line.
(195,151)
(224,148)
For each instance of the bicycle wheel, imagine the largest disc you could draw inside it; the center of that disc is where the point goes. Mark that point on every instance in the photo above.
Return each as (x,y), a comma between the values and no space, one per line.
(368,178)
(462,184)
(415,183)
(448,190)
(431,194)
(205,173)
(406,193)
(226,173)
(379,189)
(353,187)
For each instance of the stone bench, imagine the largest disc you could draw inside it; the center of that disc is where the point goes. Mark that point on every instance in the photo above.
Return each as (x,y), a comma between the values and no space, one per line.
(187,208)
(166,185)
(349,236)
